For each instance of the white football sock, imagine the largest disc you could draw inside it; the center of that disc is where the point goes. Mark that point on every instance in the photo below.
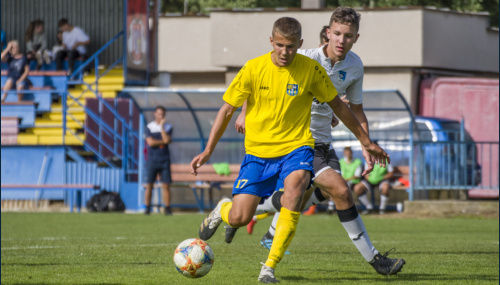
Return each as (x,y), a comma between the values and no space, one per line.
(383,202)
(331,205)
(357,233)
(266,207)
(364,200)
(272,228)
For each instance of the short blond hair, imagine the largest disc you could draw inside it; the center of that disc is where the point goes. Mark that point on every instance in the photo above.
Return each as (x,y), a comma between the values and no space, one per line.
(287,27)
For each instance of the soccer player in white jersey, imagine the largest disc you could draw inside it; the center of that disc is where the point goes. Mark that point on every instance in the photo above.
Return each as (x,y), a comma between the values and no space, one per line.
(345,70)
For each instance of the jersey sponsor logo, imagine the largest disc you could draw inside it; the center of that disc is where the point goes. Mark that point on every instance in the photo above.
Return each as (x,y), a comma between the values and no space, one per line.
(305,163)
(264,88)
(292,89)
(342,75)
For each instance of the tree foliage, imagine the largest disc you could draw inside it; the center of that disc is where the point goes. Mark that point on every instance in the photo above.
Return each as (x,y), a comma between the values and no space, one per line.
(204,6)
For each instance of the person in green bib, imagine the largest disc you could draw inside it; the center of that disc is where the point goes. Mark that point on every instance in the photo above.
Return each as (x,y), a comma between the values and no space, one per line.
(379,177)
(351,168)
(351,172)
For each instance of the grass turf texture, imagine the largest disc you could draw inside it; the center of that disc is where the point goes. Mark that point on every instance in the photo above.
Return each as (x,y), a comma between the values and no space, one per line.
(60,248)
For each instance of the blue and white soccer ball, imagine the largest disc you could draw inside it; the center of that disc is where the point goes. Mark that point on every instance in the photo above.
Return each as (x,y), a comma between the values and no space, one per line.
(193,258)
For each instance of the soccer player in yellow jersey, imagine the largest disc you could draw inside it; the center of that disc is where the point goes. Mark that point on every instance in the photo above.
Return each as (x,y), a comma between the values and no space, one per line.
(278,88)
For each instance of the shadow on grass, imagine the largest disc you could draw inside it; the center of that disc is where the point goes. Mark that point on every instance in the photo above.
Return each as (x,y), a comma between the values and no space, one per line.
(37,283)
(380,279)
(73,264)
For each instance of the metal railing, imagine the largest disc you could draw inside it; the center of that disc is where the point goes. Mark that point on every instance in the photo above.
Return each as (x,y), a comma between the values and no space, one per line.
(456,165)
(124,141)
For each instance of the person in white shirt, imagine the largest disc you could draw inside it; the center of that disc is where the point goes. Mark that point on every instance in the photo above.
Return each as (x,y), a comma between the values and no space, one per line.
(75,41)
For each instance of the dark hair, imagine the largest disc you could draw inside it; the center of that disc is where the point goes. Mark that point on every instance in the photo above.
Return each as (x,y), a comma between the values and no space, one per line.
(323,37)
(58,40)
(287,27)
(28,36)
(345,15)
(160,108)
(348,148)
(62,22)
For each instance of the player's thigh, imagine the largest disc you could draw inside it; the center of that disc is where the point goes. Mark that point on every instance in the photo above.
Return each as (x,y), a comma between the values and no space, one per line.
(257,176)
(243,209)
(362,187)
(166,177)
(151,172)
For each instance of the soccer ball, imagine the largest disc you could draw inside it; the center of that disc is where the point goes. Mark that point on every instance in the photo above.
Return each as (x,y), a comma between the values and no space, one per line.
(193,258)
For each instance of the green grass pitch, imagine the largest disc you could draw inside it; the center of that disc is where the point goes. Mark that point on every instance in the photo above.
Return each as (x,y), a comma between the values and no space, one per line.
(63,248)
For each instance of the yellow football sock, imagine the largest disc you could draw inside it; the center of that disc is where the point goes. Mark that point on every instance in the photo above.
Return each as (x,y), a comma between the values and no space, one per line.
(262,216)
(224,211)
(285,230)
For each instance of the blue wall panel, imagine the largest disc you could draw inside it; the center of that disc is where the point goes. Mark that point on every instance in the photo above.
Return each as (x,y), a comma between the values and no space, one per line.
(23,164)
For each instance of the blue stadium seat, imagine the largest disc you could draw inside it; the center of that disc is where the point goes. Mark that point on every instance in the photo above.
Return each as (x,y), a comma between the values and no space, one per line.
(23,110)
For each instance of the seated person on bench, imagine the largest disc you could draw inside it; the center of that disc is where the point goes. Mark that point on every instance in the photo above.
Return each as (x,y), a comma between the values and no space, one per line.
(17,75)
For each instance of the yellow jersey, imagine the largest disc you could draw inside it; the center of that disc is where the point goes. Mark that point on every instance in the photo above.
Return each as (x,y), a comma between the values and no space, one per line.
(279,99)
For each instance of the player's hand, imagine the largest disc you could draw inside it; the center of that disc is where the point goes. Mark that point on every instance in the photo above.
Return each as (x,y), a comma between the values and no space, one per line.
(380,156)
(370,162)
(197,162)
(162,122)
(335,121)
(240,124)
(345,100)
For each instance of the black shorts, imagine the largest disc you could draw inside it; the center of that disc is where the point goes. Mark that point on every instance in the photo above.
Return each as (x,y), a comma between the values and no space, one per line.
(154,167)
(324,158)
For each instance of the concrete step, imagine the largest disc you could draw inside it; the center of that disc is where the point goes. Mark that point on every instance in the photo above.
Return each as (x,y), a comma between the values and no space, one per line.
(25,205)
(450,208)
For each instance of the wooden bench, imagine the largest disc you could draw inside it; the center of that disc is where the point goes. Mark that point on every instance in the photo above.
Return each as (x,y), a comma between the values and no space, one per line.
(206,180)
(71,189)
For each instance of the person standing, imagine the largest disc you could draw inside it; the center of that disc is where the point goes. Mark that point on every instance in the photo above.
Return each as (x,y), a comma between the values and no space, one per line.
(158,135)
(278,88)
(75,41)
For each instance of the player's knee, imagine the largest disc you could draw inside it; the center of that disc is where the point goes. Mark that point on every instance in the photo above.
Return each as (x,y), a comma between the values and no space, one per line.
(239,219)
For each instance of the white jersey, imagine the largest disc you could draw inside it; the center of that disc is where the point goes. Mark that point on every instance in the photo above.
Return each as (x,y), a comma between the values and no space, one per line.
(347,77)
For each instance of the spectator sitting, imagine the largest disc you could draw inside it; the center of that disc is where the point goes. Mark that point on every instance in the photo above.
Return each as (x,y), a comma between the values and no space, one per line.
(17,75)
(74,41)
(380,177)
(58,47)
(36,43)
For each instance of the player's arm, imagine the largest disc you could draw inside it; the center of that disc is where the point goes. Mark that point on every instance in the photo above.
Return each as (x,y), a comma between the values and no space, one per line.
(153,143)
(240,121)
(390,172)
(25,73)
(351,122)
(221,121)
(165,137)
(358,111)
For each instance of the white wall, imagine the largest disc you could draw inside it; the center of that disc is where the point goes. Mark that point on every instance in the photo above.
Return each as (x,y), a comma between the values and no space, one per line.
(184,45)
(392,38)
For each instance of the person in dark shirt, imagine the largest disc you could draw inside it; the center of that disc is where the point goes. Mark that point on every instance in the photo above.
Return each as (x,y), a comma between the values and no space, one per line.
(17,74)
(158,136)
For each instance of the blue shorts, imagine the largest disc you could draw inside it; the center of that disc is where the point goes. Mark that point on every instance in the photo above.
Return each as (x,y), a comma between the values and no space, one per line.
(260,176)
(153,168)
(25,84)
